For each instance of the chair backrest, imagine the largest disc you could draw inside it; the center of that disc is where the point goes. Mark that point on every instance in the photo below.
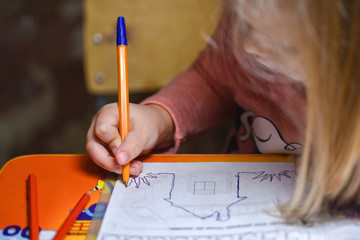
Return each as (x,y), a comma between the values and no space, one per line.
(164,37)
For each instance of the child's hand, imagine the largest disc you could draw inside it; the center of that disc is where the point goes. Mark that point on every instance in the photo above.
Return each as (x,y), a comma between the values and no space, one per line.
(150,126)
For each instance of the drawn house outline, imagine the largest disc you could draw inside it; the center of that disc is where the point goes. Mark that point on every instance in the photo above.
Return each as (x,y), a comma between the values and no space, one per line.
(208,188)
(147,178)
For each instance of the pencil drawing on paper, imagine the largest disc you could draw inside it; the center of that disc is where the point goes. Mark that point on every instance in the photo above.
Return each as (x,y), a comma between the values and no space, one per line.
(207,195)
(204,187)
(227,201)
(203,201)
(262,175)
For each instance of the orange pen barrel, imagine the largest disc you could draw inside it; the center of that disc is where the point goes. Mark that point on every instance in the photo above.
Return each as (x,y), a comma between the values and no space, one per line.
(123,88)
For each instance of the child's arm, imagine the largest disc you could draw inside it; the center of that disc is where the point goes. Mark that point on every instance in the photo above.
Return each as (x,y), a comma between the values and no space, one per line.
(150,126)
(195,100)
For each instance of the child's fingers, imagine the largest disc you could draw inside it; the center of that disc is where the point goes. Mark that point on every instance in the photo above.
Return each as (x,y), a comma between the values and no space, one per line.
(106,126)
(130,148)
(100,155)
(135,167)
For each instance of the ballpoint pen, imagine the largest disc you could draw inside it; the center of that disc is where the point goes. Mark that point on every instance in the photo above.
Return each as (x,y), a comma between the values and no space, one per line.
(123,89)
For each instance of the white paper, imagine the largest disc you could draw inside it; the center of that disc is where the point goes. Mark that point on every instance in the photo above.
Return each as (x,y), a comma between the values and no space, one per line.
(210,201)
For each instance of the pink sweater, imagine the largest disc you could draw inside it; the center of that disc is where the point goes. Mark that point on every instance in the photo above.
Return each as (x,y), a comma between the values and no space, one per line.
(269,115)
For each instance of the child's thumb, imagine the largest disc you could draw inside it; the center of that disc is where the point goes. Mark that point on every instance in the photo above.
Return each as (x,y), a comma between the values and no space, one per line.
(129,149)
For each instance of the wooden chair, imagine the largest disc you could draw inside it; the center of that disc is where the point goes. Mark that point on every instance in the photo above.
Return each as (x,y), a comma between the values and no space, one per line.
(164,37)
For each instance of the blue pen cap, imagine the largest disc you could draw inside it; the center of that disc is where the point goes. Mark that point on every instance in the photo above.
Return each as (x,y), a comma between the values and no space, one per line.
(121,32)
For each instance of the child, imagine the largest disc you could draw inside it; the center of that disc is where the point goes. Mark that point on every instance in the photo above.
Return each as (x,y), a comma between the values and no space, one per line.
(288,71)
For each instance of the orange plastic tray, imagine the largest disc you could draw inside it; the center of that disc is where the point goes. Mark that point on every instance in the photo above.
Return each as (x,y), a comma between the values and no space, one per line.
(61,181)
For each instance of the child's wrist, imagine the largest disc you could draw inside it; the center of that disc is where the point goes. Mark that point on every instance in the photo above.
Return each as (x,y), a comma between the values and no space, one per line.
(164,125)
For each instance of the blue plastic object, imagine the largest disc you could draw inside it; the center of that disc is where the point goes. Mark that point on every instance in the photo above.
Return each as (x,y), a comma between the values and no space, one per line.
(121,32)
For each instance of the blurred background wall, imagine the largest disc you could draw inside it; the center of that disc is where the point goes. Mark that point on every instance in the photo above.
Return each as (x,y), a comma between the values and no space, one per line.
(44,106)
(45,102)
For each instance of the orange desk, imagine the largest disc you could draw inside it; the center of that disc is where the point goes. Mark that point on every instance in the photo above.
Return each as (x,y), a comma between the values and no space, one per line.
(62,180)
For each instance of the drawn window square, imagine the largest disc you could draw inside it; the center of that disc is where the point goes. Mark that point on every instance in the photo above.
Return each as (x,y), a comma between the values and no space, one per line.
(204,188)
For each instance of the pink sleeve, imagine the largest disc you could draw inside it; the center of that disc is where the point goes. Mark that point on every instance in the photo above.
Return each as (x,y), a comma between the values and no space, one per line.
(196,99)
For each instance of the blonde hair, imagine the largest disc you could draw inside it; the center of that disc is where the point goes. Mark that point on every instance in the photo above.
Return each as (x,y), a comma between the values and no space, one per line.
(331,156)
